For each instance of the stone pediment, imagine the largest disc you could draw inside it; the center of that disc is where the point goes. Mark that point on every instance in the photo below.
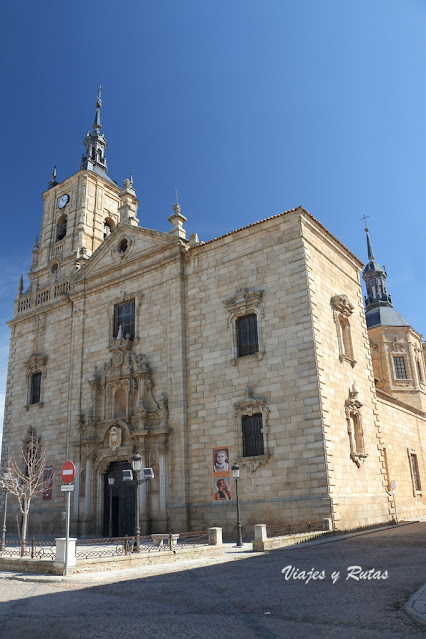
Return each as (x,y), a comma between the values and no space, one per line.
(125,243)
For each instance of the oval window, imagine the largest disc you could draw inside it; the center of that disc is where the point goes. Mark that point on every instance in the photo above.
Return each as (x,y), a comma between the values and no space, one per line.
(123,246)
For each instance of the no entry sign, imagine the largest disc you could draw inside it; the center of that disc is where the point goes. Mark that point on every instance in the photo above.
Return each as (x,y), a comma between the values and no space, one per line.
(68,472)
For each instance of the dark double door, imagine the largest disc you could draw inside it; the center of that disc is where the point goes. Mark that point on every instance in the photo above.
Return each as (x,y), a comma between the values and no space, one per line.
(123,501)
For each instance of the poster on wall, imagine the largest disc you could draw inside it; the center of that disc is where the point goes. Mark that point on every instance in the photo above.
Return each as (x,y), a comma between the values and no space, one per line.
(47,483)
(221,471)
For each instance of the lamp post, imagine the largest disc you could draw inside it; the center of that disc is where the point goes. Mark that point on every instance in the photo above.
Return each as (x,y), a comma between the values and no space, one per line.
(3,534)
(236,475)
(137,467)
(111,482)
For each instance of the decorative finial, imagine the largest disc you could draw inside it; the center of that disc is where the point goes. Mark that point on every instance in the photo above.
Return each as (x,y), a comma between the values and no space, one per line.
(21,285)
(53,181)
(176,207)
(36,242)
(131,179)
(364,218)
(99,102)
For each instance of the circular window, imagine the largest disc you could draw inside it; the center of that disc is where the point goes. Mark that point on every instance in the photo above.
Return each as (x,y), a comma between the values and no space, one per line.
(123,246)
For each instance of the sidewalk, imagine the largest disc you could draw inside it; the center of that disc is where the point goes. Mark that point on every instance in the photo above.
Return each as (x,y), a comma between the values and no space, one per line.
(415,607)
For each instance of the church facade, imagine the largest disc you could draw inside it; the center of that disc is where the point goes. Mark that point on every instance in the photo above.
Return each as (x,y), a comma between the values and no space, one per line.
(254,347)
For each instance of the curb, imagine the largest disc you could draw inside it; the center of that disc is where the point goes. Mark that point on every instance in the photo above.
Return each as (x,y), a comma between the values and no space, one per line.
(342,537)
(245,554)
(416,605)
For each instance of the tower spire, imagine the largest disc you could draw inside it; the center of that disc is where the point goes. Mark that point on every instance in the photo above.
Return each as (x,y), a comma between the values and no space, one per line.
(374,277)
(95,143)
(379,310)
(96,126)
(369,246)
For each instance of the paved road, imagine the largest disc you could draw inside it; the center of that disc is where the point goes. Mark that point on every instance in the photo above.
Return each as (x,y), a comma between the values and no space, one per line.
(246,599)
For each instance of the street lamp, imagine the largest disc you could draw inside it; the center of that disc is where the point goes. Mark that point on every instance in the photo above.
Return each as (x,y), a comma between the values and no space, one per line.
(137,467)
(3,534)
(236,475)
(111,482)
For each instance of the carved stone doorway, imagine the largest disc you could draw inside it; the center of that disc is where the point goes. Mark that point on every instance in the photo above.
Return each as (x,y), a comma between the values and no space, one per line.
(123,501)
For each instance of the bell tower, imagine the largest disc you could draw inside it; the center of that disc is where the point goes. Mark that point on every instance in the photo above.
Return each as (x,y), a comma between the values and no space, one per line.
(396,348)
(79,214)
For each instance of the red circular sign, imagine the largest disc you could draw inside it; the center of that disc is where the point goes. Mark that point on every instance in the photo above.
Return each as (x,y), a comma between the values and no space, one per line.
(68,472)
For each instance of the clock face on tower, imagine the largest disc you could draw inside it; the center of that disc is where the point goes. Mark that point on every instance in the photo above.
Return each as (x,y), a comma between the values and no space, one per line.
(63,201)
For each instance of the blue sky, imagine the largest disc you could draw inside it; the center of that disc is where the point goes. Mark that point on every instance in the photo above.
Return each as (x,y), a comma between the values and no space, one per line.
(247,107)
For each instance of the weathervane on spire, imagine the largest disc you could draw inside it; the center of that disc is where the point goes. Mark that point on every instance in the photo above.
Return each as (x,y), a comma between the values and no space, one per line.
(364,218)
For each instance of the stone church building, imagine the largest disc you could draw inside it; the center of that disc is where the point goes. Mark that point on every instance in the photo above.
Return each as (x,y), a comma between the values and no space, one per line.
(256,344)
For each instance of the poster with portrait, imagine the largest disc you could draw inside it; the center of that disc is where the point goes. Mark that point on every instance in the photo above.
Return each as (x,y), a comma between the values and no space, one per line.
(220,460)
(221,471)
(47,483)
(222,489)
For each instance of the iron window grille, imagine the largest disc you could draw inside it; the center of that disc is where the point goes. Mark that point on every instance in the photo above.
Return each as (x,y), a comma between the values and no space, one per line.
(252,435)
(247,337)
(35,388)
(124,317)
(400,370)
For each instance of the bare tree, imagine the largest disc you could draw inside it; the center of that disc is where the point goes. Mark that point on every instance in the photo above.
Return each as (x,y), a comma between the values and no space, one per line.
(23,477)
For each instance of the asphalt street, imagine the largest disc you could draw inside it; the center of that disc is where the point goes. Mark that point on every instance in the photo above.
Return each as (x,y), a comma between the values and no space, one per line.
(249,598)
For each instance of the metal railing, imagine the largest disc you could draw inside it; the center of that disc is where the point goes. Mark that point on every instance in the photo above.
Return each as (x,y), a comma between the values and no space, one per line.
(119,546)
(193,539)
(31,548)
(108,547)
(281,530)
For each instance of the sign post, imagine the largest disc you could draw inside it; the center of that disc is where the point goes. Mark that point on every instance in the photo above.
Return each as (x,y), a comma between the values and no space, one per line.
(393,488)
(67,474)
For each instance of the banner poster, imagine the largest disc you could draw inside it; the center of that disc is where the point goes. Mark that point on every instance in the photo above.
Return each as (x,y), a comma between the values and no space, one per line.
(47,483)
(221,470)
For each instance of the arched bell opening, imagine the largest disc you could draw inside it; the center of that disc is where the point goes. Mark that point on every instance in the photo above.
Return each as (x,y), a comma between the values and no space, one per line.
(61,227)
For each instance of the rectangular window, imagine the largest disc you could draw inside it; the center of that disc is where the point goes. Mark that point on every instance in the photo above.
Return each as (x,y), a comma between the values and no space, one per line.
(35,388)
(400,371)
(416,473)
(419,370)
(247,341)
(124,319)
(252,435)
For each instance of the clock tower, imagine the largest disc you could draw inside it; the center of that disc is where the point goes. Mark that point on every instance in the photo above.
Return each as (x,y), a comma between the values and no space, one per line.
(79,214)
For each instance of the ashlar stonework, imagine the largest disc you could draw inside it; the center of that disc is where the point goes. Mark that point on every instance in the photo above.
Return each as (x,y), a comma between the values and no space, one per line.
(134,337)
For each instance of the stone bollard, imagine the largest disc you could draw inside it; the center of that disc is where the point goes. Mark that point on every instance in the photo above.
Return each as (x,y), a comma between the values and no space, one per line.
(327,524)
(215,536)
(60,551)
(260,533)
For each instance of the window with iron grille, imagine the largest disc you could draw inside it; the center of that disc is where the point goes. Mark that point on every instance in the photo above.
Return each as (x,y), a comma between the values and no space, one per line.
(416,473)
(247,339)
(252,435)
(124,317)
(35,388)
(400,371)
